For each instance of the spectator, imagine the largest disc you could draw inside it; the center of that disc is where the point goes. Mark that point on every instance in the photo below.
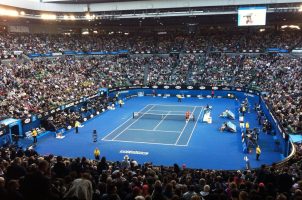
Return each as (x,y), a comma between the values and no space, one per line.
(80,188)
(188,195)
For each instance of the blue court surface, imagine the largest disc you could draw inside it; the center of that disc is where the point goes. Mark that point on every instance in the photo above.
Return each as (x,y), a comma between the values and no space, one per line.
(154,129)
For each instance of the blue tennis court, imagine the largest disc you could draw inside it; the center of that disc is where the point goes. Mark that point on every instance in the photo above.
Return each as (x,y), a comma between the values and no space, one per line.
(158,124)
(159,133)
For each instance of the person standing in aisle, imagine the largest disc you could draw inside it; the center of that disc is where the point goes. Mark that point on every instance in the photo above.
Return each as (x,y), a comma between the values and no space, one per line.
(34,134)
(96,153)
(258,152)
(76,125)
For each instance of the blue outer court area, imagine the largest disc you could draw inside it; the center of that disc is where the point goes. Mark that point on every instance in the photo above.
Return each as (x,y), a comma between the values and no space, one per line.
(160,134)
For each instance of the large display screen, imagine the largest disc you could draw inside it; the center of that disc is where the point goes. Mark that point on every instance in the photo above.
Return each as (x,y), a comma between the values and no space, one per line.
(251,16)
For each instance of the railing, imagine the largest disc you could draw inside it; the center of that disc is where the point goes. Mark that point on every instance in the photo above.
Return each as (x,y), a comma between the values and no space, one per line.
(288,158)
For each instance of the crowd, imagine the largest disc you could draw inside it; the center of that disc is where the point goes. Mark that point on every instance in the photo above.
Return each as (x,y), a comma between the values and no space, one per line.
(233,40)
(276,75)
(37,86)
(182,73)
(160,70)
(25,175)
(217,70)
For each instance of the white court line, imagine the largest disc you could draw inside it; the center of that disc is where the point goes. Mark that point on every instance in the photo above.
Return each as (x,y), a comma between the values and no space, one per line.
(130,129)
(194,126)
(126,141)
(123,123)
(168,111)
(161,121)
(182,131)
(130,124)
(177,105)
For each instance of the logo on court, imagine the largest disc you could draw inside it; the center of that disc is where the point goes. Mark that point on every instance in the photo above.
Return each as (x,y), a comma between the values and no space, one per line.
(144,153)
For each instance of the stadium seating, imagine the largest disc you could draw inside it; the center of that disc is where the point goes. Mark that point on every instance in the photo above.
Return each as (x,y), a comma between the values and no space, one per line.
(34,86)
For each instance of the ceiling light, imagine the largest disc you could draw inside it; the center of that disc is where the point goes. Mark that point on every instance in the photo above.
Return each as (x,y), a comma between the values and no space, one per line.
(48,17)
(12,13)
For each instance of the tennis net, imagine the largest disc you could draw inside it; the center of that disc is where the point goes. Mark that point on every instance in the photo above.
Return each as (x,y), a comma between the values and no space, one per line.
(169,116)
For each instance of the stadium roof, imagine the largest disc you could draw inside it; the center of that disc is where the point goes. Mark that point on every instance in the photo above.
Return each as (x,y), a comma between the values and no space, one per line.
(86,1)
(122,5)
(77,10)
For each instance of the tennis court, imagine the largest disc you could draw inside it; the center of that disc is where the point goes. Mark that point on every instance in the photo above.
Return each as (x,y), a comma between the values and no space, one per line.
(158,124)
(159,133)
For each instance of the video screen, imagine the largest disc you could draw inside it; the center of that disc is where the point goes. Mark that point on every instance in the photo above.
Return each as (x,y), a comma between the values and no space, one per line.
(251,16)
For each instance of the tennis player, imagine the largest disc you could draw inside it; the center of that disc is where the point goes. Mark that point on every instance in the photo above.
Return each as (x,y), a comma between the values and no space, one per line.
(187,116)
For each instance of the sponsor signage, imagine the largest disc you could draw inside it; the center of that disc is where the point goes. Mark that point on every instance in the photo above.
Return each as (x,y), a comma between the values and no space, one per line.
(69,105)
(135,87)
(18,52)
(57,54)
(124,92)
(249,95)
